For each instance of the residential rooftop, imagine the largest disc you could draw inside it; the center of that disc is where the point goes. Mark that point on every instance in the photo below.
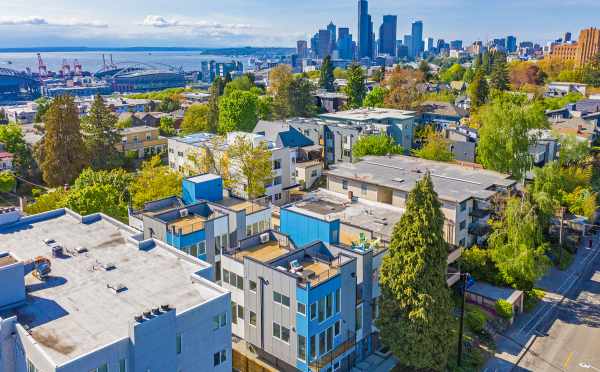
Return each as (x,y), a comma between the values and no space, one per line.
(371,114)
(377,217)
(78,309)
(138,129)
(451,181)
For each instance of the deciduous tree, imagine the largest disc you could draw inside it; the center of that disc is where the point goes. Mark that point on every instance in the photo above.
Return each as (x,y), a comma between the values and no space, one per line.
(7,181)
(238,111)
(12,137)
(153,182)
(436,148)
(376,97)
(416,311)
(254,165)
(375,145)
(195,119)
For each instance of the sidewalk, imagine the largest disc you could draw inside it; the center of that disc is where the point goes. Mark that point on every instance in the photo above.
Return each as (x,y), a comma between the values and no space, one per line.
(556,284)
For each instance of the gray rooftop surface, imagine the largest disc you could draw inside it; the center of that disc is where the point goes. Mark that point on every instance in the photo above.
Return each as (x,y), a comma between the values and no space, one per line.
(74,312)
(367,114)
(327,205)
(451,181)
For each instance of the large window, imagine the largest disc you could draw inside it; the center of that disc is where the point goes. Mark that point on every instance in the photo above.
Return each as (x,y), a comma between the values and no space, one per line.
(219,357)
(313,347)
(240,312)
(281,333)
(313,311)
(276,330)
(344,184)
(219,321)
(359,317)
(31,367)
(321,309)
(123,365)
(322,343)
(277,164)
(281,299)
(337,327)
(102,368)
(301,308)
(329,305)
(301,347)
(233,312)
(253,318)
(338,300)
(178,343)
(252,285)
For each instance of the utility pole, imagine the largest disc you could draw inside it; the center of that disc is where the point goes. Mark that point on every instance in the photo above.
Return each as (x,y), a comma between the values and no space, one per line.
(462,318)
(560,236)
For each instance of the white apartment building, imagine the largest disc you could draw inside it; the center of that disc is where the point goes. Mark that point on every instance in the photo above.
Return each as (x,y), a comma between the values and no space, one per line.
(283,162)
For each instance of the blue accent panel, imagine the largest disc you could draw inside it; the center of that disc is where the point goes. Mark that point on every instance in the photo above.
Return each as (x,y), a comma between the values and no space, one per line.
(24,221)
(211,190)
(302,325)
(181,241)
(304,229)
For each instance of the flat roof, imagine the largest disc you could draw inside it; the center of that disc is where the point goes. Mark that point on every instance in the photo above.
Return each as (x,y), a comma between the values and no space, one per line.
(452,182)
(237,204)
(366,114)
(141,128)
(495,293)
(327,205)
(264,252)
(74,312)
(203,178)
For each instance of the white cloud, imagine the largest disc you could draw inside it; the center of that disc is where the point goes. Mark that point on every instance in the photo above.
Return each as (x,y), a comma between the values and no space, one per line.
(39,21)
(162,22)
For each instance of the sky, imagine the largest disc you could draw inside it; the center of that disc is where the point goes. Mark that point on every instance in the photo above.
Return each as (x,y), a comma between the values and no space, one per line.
(227,23)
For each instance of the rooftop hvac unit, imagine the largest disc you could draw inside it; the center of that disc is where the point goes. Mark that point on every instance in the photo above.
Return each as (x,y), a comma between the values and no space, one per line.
(264,238)
(183,213)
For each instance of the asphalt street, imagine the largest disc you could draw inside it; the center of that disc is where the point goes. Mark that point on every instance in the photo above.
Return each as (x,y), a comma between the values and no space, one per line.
(563,332)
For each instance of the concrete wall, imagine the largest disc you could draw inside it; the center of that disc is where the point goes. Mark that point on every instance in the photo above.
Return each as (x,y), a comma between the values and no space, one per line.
(12,287)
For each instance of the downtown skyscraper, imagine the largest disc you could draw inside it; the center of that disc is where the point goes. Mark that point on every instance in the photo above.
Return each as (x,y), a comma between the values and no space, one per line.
(365,30)
(387,35)
(417,39)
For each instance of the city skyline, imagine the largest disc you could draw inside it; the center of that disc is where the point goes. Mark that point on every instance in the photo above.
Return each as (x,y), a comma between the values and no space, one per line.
(234,23)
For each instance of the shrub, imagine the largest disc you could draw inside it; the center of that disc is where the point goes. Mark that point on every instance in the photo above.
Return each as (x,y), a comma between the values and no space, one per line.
(504,309)
(475,319)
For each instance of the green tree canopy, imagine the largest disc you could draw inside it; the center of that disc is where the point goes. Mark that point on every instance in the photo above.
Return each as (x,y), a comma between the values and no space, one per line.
(170,103)
(301,100)
(425,70)
(436,148)
(499,78)
(238,111)
(154,181)
(195,119)
(7,181)
(356,88)
(378,145)
(517,245)
(42,107)
(479,89)
(212,117)
(416,311)
(505,134)
(241,83)
(62,153)
(326,77)
(254,163)
(453,73)
(573,151)
(101,136)
(376,97)
(13,139)
(167,126)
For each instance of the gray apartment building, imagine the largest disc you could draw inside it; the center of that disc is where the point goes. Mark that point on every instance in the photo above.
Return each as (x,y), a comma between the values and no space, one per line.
(88,293)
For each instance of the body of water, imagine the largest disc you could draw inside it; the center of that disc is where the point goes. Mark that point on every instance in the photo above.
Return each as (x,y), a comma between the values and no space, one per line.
(92,61)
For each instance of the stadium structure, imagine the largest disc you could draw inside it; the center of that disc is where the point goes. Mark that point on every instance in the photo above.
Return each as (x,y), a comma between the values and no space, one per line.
(18,86)
(141,77)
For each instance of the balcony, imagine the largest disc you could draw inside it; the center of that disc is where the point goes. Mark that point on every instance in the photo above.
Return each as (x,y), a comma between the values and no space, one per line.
(479,229)
(453,276)
(328,358)
(454,253)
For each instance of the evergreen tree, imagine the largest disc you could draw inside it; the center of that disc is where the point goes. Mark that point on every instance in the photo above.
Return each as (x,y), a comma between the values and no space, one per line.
(356,89)
(499,78)
(486,63)
(425,70)
(212,117)
(479,89)
(101,136)
(416,309)
(326,78)
(301,100)
(62,153)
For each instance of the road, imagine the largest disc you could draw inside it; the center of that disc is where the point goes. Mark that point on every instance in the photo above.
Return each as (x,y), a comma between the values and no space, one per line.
(564,329)
(573,337)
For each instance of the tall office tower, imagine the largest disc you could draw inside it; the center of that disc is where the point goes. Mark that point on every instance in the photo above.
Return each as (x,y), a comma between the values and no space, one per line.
(324,48)
(511,44)
(456,45)
(417,39)
(430,47)
(409,45)
(314,44)
(387,35)
(364,35)
(332,36)
(372,41)
(302,48)
(567,37)
(344,43)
